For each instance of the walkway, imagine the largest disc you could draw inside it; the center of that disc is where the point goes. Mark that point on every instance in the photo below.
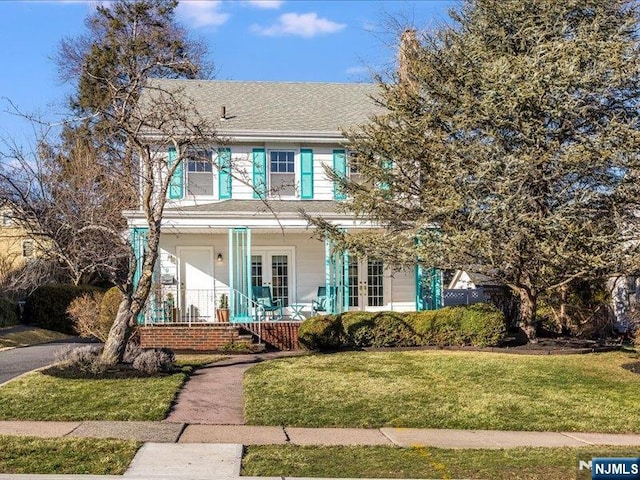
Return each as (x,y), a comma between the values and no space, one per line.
(214,394)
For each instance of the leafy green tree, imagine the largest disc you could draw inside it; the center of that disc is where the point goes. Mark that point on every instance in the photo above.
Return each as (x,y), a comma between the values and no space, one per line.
(508,145)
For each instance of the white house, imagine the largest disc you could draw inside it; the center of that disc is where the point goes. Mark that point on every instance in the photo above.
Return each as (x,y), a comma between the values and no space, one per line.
(233,220)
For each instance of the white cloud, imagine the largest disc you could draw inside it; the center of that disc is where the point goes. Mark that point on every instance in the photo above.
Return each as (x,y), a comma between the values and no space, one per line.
(266,4)
(359,70)
(200,14)
(303,25)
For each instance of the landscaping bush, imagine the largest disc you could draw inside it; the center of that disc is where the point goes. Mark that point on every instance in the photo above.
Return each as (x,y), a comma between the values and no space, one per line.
(47,306)
(85,359)
(109,307)
(154,361)
(437,327)
(479,325)
(390,330)
(357,328)
(84,311)
(323,332)
(482,325)
(8,313)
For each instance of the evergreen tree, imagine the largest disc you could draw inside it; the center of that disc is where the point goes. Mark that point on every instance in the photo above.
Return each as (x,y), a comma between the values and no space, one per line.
(508,146)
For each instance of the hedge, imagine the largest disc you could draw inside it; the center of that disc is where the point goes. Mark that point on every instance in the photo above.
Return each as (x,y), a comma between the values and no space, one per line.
(47,306)
(8,313)
(479,325)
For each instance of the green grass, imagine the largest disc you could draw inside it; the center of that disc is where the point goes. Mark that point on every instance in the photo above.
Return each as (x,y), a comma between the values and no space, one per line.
(463,390)
(65,455)
(37,396)
(197,360)
(392,462)
(30,336)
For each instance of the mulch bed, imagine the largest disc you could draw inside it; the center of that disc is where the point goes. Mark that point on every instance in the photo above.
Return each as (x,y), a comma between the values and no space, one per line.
(119,372)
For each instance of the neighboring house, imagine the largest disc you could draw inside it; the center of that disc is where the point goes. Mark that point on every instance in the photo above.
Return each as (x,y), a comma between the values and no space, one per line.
(16,246)
(233,222)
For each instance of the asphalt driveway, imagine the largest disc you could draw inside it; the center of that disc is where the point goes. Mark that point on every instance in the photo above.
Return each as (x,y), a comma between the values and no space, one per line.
(20,360)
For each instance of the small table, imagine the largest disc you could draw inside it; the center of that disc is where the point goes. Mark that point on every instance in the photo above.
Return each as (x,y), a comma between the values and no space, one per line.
(296,313)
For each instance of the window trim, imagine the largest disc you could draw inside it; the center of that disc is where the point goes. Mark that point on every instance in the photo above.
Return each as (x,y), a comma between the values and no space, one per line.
(7,218)
(294,174)
(196,159)
(32,246)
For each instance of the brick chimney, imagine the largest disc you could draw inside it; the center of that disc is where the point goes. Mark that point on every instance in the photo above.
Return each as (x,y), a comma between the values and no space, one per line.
(409,45)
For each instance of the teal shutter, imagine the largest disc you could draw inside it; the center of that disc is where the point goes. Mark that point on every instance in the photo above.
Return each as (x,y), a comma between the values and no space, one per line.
(259,173)
(306,174)
(387,166)
(224,173)
(176,184)
(340,168)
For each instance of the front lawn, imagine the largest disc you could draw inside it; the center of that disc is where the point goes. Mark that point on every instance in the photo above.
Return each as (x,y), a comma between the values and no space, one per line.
(392,462)
(38,396)
(465,390)
(65,455)
(12,337)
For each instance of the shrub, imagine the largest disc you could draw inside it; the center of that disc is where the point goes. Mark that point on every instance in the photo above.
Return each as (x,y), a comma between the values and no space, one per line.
(323,332)
(47,306)
(390,330)
(154,361)
(85,314)
(483,325)
(8,313)
(131,351)
(437,327)
(86,359)
(109,307)
(357,328)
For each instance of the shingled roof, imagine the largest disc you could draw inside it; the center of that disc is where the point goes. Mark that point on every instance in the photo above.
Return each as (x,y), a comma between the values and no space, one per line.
(279,106)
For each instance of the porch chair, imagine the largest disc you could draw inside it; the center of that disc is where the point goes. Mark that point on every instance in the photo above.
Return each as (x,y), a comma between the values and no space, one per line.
(262,297)
(320,303)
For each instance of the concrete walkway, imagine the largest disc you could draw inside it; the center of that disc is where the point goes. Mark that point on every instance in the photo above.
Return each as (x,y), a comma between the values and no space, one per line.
(183,433)
(214,394)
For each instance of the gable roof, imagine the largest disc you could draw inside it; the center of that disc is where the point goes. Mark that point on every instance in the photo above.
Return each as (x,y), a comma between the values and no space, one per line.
(278,107)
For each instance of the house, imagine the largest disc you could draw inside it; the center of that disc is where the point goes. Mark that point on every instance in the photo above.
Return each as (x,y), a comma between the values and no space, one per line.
(233,218)
(16,245)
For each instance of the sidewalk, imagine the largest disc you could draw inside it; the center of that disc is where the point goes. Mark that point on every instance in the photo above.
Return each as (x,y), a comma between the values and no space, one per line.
(185,433)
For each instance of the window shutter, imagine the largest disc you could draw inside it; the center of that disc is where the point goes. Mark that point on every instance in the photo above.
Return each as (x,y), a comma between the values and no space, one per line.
(340,168)
(224,173)
(259,173)
(306,174)
(176,184)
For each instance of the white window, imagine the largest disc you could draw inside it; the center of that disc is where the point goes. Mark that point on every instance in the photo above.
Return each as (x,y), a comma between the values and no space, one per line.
(352,167)
(6,219)
(200,173)
(282,176)
(28,248)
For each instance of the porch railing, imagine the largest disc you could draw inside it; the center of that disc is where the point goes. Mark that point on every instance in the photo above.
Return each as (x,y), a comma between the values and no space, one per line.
(169,304)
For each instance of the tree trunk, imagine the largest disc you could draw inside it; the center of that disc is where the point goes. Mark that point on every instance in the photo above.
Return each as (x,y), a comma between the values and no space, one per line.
(528,314)
(116,343)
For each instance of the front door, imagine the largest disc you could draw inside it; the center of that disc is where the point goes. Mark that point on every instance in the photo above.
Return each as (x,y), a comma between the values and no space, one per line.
(366,284)
(274,268)
(196,283)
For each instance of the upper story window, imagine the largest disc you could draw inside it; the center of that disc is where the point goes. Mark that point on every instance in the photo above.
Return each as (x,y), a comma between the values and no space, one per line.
(353,169)
(200,173)
(6,219)
(282,176)
(28,248)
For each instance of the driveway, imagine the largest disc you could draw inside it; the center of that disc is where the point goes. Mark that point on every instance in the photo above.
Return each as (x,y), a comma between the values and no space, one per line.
(17,361)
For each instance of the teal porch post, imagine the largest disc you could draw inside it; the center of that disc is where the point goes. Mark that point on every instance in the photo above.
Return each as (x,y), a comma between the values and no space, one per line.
(240,274)
(336,278)
(138,239)
(428,288)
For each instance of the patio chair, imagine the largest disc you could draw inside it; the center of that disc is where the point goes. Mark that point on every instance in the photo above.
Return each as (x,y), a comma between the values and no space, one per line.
(320,303)
(264,300)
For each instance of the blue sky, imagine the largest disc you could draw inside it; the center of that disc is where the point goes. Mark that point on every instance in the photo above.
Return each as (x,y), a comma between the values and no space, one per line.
(325,41)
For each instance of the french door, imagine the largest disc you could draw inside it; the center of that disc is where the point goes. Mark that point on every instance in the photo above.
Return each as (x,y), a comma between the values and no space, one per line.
(274,268)
(366,284)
